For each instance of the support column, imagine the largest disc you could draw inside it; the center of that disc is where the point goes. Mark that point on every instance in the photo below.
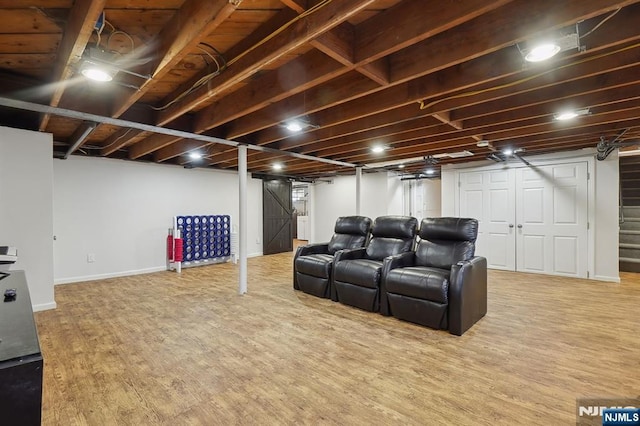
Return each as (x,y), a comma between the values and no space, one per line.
(358,181)
(242,234)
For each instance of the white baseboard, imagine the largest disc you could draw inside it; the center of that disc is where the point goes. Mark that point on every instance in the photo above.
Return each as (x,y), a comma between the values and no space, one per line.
(108,275)
(70,280)
(605,278)
(44,306)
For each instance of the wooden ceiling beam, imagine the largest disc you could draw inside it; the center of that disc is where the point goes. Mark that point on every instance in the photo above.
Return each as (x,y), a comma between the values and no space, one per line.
(194,21)
(558,87)
(309,70)
(446,17)
(445,117)
(412,21)
(286,41)
(334,92)
(263,31)
(353,130)
(339,44)
(528,117)
(563,89)
(343,51)
(172,151)
(504,27)
(614,119)
(150,144)
(474,71)
(275,135)
(413,90)
(118,140)
(80,23)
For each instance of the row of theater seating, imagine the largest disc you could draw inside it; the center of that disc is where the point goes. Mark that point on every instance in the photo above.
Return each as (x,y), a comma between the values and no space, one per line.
(427,274)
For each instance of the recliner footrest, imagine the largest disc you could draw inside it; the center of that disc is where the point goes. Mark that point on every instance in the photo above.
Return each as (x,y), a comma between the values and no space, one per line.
(360,297)
(419,311)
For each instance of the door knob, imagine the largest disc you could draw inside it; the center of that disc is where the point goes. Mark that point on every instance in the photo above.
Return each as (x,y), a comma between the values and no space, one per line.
(520,226)
(511,225)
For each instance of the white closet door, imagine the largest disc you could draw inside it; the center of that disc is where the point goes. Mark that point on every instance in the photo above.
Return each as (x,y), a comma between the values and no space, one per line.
(489,197)
(551,206)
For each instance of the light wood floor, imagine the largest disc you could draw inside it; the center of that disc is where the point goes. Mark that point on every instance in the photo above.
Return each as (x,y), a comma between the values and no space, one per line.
(186,350)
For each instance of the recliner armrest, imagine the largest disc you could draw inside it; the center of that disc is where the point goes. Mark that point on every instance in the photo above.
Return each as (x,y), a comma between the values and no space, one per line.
(467,294)
(306,250)
(346,254)
(392,262)
(350,254)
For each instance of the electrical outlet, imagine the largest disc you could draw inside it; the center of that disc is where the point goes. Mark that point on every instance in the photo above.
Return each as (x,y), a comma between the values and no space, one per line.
(91,257)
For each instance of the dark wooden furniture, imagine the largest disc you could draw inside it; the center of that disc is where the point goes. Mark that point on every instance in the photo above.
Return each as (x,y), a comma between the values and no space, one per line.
(20,358)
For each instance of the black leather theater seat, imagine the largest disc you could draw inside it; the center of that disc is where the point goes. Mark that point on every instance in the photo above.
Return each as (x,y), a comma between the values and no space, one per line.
(313,263)
(441,284)
(357,273)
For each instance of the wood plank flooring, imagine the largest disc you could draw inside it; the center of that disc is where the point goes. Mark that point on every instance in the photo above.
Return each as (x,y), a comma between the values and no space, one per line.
(185,349)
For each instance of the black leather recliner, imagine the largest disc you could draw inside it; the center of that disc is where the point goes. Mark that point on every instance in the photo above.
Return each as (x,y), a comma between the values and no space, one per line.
(441,284)
(357,273)
(312,264)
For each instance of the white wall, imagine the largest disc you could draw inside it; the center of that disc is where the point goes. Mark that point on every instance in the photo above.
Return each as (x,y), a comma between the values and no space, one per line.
(26,208)
(603,204)
(381,195)
(607,227)
(432,197)
(120,211)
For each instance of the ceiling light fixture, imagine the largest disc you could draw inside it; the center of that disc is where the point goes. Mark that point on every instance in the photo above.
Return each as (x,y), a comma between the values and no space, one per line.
(429,171)
(294,126)
(508,152)
(569,114)
(378,149)
(96,72)
(195,155)
(299,124)
(542,52)
(277,166)
(550,44)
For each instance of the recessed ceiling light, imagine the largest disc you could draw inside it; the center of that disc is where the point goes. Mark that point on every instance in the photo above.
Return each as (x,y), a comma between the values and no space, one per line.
(96,73)
(277,166)
(195,155)
(542,52)
(569,114)
(378,149)
(294,126)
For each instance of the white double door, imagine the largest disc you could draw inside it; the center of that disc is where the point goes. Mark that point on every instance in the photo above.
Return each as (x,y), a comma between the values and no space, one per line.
(531,219)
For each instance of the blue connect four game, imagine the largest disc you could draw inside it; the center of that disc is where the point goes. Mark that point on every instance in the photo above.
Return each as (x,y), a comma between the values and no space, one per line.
(206,239)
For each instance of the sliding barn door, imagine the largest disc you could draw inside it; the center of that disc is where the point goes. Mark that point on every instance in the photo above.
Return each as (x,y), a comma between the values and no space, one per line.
(277,209)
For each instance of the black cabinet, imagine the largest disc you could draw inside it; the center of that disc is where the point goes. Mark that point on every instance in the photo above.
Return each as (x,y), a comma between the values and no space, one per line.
(20,358)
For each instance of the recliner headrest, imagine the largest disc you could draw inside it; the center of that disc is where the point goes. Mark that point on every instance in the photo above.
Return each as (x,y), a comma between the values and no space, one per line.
(449,228)
(355,225)
(395,226)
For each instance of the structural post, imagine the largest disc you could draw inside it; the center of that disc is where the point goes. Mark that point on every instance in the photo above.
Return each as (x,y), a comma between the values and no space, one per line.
(242,234)
(358,181)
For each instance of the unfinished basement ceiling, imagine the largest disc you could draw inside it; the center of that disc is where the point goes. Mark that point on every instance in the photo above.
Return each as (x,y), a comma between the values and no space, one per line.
(416,77)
